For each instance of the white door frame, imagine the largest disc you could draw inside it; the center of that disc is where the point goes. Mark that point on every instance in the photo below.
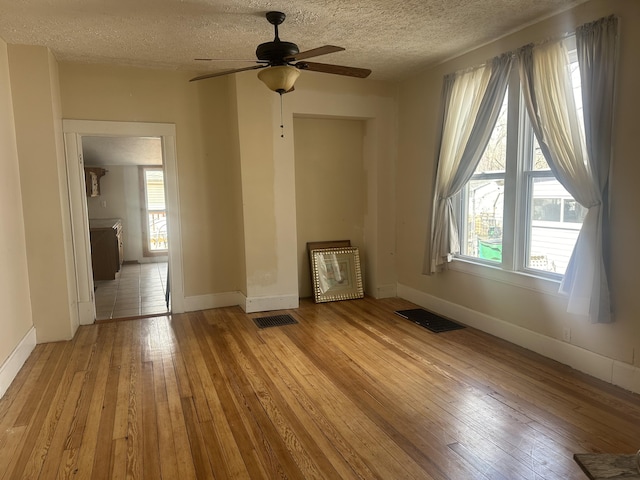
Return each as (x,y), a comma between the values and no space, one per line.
(85,301)
(74,130)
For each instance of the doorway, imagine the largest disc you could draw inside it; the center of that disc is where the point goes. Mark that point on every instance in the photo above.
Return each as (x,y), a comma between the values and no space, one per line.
(122,149)
(127,225)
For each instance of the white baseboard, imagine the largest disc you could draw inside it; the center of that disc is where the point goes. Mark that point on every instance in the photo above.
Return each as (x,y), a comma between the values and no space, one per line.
(213,300)
(15,361)
(248,304)
(612,371)
(386,291)
(626,376)
(265,304)
(86,312)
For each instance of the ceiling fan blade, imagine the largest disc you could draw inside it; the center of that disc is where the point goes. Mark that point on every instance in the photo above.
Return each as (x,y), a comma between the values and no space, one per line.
(226,72)
(229,60)
(335,69)
(314,52)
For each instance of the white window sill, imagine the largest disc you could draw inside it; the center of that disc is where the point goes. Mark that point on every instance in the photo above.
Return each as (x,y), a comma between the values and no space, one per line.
(526,280)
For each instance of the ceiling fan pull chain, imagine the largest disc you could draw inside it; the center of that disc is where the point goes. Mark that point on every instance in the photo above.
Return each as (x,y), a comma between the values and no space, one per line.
(281,121)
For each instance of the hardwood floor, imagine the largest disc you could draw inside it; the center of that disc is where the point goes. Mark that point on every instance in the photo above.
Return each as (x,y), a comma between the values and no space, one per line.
(351,391)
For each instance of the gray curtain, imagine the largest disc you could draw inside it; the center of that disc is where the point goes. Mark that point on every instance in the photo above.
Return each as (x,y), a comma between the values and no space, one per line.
(467,127)
(580,161)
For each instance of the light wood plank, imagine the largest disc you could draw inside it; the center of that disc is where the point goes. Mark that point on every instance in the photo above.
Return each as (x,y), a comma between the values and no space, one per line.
(102,464)
(196,440)
(83,439)
(135,457)
(68,411)
(149,431)
(178,427)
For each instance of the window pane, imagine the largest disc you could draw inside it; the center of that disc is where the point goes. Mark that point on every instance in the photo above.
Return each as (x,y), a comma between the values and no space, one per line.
(555,222)
(495,155)
(156,215)
(547,209)
(573,212)
(154,184)
(539,162)
(157,231)
(484,196)
(485,204)
(576,81)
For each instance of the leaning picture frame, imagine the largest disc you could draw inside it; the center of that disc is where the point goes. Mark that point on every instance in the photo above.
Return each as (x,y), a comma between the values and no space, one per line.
(336,274)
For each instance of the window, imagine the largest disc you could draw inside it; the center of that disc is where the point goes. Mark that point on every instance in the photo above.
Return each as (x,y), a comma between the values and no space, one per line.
(528,222)
(513,213)
(154,216)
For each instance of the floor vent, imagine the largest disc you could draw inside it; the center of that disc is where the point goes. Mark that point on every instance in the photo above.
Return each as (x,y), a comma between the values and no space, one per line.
(429,320)
(274,321)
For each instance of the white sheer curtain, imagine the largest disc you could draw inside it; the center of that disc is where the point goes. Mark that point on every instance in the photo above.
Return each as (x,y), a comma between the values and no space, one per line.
(580,164)
(472,101)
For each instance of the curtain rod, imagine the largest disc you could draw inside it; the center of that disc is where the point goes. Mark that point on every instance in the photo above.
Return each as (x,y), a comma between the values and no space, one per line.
(514,53)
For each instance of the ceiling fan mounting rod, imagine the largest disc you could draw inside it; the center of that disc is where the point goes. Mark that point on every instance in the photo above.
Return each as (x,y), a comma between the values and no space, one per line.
(275,19)
(276,52)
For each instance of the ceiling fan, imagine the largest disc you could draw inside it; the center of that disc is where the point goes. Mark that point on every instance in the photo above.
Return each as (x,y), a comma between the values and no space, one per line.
(276,59)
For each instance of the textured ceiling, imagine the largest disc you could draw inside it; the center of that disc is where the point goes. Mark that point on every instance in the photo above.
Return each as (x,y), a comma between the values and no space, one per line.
(393,38)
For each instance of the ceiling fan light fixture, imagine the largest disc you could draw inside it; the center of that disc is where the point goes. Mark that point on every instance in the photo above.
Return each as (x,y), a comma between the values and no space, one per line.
(279,78)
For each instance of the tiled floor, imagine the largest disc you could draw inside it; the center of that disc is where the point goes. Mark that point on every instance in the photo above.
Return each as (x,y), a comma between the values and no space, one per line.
(138,290)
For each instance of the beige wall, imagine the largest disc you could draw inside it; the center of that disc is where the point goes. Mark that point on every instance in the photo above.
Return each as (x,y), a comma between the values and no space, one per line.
(375,105)
(330,186)
(113,193)
(541,313)
(208,180)
(43,180)
(264,269)
(16,319)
